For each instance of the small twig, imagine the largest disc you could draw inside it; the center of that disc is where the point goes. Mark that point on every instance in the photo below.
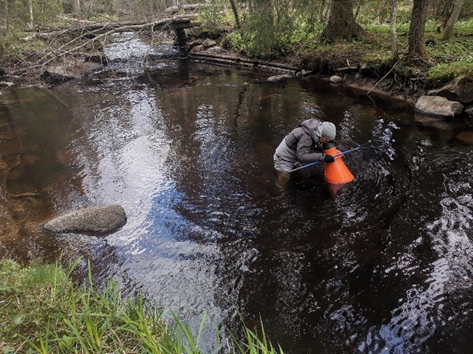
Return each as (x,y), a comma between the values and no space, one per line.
(394,66)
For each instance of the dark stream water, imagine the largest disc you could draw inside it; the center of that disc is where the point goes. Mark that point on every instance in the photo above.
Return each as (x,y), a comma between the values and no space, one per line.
(384,267)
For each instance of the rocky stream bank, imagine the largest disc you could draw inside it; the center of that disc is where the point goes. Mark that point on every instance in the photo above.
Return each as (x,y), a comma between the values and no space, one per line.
(441,100)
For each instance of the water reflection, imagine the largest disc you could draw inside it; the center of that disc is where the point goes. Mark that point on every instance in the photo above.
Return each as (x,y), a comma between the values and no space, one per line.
(187,150)
(423,311)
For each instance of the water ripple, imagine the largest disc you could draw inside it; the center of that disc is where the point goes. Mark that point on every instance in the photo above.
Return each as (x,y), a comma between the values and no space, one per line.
(419,316)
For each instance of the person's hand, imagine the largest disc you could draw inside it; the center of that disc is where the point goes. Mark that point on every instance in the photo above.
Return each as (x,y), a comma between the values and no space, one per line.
(329,158)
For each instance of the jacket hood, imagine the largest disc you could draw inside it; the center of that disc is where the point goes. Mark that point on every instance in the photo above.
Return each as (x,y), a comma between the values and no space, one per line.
(310,126)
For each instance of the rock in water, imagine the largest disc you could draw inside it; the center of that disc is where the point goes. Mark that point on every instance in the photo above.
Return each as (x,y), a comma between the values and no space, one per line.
(438,106)
(279,77)
(335,79)
(93,220)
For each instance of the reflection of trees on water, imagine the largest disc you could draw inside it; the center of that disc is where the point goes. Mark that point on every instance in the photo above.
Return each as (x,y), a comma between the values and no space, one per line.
(7,138)
(31,168)
(189,156)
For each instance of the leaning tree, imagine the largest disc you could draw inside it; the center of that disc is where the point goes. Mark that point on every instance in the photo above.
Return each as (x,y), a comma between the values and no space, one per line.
(341,23)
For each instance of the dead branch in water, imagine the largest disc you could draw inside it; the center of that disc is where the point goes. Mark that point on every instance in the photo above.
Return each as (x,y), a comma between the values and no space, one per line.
(87,34)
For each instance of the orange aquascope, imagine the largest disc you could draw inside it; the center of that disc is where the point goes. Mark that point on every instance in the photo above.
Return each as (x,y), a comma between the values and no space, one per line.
(336,172)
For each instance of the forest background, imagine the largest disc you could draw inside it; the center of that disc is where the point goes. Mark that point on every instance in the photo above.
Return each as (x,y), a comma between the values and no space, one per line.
(417,44)
(420,44)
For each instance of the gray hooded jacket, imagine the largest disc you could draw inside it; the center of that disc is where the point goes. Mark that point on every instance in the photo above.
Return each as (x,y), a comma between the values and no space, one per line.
(298,145)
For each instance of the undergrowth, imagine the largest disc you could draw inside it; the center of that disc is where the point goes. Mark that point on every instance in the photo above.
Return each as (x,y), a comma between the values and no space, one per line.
(447,59)
(42,311)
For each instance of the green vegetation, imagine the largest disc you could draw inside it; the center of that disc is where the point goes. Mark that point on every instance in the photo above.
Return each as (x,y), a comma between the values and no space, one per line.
(19,45)
(285,30)
(276,33)
(447,59)
(42,311)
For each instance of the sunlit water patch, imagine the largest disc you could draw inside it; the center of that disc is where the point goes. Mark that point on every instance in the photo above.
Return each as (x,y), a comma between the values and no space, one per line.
(128,53)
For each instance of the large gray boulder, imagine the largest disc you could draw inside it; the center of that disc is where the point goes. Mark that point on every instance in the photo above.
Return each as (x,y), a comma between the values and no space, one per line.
(438,106)
(96,220)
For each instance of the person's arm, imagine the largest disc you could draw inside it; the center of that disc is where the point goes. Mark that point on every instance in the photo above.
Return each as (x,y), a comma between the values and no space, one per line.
(305,153)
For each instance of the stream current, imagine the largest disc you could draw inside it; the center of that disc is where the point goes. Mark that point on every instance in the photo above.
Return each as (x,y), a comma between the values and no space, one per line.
(384,266)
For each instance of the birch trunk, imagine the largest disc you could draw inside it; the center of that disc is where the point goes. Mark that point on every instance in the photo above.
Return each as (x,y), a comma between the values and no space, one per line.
(77,7)
(392,31)
(235,13)
(457,8)
(7,23)
(30,8)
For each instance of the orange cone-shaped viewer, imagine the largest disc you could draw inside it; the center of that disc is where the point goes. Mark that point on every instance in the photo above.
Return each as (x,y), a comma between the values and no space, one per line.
(336,172)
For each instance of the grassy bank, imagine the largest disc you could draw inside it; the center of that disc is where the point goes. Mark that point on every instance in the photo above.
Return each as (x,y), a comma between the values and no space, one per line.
(371,56)
(42,311)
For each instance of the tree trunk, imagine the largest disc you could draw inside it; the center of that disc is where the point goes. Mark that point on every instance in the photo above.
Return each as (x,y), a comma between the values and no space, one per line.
(7,23)
(416,31)
(457,8)
(341,24)
(322,11)
(77,7)
(392,31)
(235,13)
(446,12)
(30,8)
(358,8)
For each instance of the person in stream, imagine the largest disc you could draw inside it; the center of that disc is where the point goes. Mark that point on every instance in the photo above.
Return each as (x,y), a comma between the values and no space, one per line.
(303,145)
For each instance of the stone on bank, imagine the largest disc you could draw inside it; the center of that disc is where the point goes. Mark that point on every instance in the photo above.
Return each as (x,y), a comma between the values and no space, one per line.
(438,106)
(97,220)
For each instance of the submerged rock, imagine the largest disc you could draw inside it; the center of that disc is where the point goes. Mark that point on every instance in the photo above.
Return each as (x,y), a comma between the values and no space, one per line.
(53,77)
(335,79)
(279,77)
(73,68)
(438,106)
(93,220)
(436,122)
(466,137)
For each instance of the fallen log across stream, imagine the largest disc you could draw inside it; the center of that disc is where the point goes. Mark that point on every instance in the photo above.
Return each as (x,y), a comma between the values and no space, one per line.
(245,62)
